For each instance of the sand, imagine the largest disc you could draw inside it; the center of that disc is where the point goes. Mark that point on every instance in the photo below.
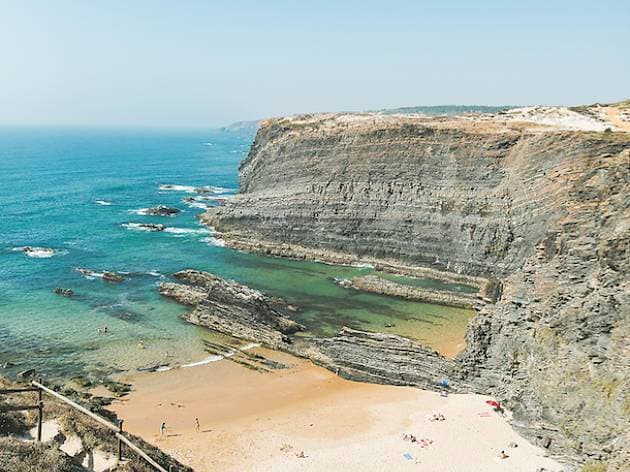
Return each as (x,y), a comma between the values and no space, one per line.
(251,421)
(613,114)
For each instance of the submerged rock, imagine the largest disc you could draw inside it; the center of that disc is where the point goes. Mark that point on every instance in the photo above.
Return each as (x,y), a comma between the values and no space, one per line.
(231,308)
(65,292)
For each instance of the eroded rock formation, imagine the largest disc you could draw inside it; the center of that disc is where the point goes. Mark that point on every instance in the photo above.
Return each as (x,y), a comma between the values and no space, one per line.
(231,308)
(376,284)
(543,207)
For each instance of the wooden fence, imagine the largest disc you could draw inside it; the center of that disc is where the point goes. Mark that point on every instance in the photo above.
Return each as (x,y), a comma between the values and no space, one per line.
(117,430)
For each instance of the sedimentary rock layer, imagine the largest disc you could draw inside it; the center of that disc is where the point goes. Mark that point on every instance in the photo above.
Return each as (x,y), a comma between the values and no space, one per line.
(384,358)
(543,208)
(376,284)
(228,307)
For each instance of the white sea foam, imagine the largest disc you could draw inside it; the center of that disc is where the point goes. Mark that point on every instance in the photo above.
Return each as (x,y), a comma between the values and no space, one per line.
(363,265)
(183,231)
(208,144)
(218,357)
(139,211)
(249,346)
(178,188)
(89,274)
(207,360)
(214,241)
(213,198)
(195,204)
(193,189)
(141,227)
(38,252)
(103,202)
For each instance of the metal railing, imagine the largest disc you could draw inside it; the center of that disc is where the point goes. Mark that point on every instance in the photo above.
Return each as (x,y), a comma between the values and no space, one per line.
(117,430)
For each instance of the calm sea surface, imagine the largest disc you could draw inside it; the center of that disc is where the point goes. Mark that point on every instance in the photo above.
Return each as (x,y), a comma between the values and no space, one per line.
(75,191)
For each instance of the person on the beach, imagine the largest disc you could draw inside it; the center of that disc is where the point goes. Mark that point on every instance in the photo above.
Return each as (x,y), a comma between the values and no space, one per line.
(141,344)
(503,455)
(162,429)
(197,424)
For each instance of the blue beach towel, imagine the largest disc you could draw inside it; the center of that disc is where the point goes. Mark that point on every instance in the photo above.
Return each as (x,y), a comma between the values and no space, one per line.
(407,456)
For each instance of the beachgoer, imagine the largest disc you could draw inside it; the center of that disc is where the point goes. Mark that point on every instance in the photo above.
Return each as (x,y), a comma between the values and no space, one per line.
(162,429)
(197,424)
(503,455)
(141,344)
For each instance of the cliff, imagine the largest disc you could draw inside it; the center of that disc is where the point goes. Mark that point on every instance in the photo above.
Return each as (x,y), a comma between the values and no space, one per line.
(537,198)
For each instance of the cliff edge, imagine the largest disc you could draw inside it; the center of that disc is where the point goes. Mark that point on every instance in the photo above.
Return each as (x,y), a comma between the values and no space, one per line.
(538,198)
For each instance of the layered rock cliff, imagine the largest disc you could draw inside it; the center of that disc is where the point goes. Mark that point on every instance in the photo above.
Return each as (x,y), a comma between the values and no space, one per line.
(543,207)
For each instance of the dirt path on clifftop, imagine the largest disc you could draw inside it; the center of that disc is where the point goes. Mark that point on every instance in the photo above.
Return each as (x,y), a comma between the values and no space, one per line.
(613,117)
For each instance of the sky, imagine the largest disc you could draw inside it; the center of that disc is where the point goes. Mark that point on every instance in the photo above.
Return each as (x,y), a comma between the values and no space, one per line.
(208,63)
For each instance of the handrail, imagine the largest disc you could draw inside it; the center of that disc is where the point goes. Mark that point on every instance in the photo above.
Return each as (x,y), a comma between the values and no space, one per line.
(140,452)
(116,429)
(75,405)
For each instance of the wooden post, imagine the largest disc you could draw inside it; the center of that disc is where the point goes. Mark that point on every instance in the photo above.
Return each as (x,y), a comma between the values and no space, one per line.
(40,413)
(120,444)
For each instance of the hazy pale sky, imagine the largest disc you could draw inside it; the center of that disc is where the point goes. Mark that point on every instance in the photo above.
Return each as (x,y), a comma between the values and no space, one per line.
(208,63)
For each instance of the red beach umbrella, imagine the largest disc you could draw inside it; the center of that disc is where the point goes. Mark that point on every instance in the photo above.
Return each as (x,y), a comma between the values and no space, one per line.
(493,403)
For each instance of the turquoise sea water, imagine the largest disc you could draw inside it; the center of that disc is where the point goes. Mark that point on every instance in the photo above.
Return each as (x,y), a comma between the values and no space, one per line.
(74,190)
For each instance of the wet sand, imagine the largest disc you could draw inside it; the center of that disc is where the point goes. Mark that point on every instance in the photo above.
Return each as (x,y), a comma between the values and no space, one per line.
(251,421)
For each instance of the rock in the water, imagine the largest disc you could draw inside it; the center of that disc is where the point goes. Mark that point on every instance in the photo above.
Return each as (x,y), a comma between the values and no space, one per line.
(377,284)
(161,210)
(231,308)
(113,277)
(65,292)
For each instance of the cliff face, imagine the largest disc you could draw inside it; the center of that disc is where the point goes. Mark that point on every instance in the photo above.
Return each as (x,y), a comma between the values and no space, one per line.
(544,208)
(449,196)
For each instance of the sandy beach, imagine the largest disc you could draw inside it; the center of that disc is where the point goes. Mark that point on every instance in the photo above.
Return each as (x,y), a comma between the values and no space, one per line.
(305,418)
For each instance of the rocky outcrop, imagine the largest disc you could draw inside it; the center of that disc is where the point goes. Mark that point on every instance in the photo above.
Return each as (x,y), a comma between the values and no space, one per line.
(384,358)
(161,210)
(376,284)
(113,277)
(536,201)
(231,308)
(64,292)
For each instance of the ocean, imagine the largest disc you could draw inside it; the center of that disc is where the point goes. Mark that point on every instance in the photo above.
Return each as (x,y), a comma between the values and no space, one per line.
(76,197)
